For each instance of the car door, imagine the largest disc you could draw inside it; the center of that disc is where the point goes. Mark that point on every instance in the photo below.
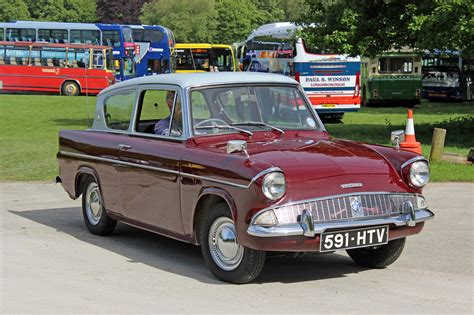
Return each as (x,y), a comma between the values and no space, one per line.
(149,184)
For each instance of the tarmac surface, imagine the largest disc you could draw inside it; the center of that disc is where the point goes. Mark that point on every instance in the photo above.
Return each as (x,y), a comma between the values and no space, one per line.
(51,264)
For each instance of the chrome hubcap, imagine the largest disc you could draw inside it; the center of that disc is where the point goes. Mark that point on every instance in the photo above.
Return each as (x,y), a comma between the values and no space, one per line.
(93,204)
(225,250)
(71,88)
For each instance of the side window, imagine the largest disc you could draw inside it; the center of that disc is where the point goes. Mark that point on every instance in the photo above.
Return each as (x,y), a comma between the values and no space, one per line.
(160,113)
(118,110)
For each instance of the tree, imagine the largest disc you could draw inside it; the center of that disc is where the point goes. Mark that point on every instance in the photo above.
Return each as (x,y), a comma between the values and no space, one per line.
(62,10)
(370,27)
(11,10)
(119,11)
(234,20)
(293,10)
(190,20)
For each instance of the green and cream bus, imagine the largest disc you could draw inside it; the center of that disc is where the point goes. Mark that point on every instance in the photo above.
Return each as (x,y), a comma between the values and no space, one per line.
(391,78)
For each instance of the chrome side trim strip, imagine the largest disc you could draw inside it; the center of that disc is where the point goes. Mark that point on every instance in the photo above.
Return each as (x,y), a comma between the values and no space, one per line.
(416,158)
(152,168)
(297,229)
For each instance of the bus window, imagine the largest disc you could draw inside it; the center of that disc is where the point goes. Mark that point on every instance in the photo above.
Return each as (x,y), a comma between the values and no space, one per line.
(85,37)
(148,35)
(97,58)
(109,59)
(2,34)
(193,59)
(127,34)
(78,58)
(224,59)
(53,57)
(17,55)
(21,34)
(111,38)
(395,65)
(52,36)
(128,67)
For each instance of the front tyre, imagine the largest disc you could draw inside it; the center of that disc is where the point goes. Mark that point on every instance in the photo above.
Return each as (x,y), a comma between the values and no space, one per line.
(95,217)
(225,257)
(379,256)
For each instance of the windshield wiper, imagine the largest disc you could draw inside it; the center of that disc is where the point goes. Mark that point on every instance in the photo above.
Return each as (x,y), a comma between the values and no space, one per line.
(225,127)
(257,123)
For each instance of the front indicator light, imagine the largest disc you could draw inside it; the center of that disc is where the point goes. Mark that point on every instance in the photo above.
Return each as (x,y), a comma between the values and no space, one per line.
(267,218)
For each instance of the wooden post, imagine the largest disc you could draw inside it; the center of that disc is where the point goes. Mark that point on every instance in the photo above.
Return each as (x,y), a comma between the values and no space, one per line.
(437,145)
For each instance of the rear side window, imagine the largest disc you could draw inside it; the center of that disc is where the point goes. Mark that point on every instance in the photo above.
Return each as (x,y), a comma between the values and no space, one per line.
(118,110)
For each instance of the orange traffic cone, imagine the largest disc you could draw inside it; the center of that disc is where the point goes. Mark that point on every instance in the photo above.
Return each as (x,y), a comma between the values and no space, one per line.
(410,143)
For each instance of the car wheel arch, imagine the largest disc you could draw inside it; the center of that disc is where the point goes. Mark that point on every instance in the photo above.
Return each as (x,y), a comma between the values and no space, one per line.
(81,177)
(207,198)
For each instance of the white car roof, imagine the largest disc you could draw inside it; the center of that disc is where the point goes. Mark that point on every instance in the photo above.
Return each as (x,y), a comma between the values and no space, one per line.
(185,80)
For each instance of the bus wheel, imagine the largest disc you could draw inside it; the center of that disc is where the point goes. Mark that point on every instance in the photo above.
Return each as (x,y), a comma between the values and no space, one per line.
(70,88)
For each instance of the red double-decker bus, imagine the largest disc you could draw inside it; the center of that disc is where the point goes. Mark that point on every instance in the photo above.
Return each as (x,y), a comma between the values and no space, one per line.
(67,69)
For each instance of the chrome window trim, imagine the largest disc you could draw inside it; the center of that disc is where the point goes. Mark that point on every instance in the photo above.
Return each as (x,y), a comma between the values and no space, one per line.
(165,87)
(412,160)
(309,106)
(152,168)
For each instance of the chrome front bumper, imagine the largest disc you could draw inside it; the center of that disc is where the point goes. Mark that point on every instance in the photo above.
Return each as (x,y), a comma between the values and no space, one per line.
(307,227)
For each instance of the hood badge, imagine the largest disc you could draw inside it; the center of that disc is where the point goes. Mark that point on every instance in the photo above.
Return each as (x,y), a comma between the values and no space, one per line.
(351,185)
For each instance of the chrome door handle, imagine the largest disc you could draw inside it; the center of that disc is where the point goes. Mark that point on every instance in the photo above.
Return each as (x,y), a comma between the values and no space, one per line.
(124,147)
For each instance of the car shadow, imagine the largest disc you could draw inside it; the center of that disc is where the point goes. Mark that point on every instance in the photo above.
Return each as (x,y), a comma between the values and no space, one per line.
(184,259)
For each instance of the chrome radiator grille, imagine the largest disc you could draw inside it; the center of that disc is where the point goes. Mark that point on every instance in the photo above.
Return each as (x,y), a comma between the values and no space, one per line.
(346,207)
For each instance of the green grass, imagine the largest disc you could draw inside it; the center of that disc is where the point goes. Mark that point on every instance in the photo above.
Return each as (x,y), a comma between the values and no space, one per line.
(29,132)
(30,125)
(374,125)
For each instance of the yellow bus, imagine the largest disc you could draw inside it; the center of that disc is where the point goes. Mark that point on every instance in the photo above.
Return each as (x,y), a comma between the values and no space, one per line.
(191,57)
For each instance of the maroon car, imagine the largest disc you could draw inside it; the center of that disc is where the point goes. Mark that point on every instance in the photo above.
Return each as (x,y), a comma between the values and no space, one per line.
(240,164)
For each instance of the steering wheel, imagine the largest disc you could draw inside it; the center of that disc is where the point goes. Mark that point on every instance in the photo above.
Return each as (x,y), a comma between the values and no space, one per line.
(209,121)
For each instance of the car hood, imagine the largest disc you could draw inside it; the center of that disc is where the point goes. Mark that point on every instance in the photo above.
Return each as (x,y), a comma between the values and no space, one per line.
(308,159)
(303,158)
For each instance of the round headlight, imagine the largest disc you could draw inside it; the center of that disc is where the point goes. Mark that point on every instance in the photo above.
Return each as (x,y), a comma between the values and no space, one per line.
(419,174)
(274,185)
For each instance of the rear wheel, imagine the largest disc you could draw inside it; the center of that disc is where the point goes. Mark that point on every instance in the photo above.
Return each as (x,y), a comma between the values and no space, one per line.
(378,256)
(95,217)
(70,88)
(226,258)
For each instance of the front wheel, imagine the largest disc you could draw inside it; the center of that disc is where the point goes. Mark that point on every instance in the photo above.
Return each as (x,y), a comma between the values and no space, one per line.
(378,256)
(226,258)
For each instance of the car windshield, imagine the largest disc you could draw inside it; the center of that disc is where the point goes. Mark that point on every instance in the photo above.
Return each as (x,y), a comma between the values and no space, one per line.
(251,108)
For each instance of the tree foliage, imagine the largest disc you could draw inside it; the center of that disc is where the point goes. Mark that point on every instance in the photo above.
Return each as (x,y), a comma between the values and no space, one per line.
(62,10)
(215,21)
(11,10)
(190,20)
(370,27)
(119,11)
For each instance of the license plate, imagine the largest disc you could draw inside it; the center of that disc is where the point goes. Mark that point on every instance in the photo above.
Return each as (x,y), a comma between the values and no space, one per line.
(354,238)
(328,105)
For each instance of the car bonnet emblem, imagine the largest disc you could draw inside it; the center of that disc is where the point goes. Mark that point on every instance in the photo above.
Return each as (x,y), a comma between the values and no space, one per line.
(356,206)
(351,185)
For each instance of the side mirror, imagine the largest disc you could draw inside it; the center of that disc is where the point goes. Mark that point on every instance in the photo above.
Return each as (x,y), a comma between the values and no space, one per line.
(396,137)
(237,146)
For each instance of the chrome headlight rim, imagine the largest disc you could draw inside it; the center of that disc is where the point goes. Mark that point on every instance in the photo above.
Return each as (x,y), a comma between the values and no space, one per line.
(419,174)
(274,185)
